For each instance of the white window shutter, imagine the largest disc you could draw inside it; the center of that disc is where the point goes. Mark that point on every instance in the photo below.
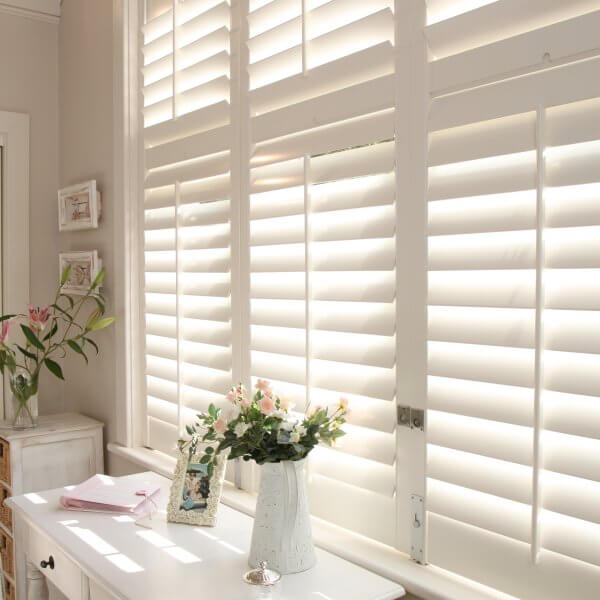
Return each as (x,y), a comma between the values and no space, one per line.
(322,235)
(513,369)
(187,140)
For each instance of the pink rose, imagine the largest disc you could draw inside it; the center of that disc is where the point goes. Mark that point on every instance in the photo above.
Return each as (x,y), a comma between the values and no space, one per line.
(5,328)
(267,405)
(231,396)
(220,424)
(263,385)
(285,403)
(245,401)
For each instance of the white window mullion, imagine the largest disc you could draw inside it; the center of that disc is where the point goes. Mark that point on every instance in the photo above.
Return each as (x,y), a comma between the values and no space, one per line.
(178,307)
(307,279)
(536,500)
(411,256)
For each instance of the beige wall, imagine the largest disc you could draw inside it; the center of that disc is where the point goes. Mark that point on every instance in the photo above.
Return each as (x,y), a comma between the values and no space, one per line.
(29,84)
(86,152)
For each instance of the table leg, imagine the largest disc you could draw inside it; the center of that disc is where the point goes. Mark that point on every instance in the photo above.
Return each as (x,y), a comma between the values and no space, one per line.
(36,583)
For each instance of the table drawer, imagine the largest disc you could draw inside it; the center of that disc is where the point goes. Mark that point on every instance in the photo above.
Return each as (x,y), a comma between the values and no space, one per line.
(65,575)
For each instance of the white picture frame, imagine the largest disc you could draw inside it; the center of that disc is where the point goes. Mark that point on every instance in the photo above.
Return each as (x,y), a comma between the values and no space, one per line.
(202,503)
(79,206)
(84,268)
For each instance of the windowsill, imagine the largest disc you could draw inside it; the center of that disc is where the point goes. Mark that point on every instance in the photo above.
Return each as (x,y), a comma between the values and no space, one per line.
(425,581)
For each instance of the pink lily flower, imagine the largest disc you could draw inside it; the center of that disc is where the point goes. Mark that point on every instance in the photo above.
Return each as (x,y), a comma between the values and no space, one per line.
(38,317)
(5,328)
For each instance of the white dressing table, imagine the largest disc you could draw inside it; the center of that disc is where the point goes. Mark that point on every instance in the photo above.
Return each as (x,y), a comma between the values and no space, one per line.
(98,556)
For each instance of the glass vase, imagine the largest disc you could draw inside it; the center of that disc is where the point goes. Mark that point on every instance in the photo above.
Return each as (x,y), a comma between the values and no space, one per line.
(282,535)
(24,402)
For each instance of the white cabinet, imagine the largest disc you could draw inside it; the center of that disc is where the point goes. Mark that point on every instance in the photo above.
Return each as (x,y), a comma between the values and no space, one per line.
(64,449)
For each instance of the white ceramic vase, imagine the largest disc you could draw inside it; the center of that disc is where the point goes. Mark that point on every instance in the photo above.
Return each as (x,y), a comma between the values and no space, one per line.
(282,534)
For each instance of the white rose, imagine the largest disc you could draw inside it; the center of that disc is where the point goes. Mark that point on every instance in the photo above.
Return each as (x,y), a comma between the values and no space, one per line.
(287,425)
(294,437)
(301,430)
(240,429)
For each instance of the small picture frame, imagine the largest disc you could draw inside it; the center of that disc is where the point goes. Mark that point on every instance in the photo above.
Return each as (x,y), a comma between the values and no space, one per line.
(84,268)
(79,206)
(194,496)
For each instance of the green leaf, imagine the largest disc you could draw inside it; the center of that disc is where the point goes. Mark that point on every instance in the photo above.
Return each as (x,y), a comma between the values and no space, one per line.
(5,317)
(212,411)
(32,338)
(63,311)
(93,343)
(100,304)
(189,430)
(209,450)
(205,459)
(65,275)
(52,331)
(101,324)
(27,353)
(77,348)
(54,368)
(98,279)
(69,299)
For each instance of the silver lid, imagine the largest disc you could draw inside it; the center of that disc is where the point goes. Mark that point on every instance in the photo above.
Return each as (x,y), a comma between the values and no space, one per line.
(262,575)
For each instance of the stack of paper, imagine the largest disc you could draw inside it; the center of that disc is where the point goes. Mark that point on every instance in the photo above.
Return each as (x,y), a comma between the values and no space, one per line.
(104,494)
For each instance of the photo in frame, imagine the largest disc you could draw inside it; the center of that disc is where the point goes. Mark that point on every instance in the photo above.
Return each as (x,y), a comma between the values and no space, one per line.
(79,206)
(84,268)
(195,496)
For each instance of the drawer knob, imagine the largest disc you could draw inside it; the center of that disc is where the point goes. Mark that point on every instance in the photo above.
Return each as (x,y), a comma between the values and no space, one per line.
(48,563)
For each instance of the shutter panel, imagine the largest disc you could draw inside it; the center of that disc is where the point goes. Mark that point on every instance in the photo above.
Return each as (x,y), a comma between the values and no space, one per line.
(513,474)
(322,235)
(187,141)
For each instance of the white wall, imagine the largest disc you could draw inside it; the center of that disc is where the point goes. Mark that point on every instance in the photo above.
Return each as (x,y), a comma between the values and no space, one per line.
(86,152)
(29,84)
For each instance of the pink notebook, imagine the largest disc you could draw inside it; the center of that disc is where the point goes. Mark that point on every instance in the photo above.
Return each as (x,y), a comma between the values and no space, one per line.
(102,493)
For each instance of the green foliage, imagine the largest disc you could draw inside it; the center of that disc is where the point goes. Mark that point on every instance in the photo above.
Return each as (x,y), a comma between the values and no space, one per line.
(262,429)
(49,331)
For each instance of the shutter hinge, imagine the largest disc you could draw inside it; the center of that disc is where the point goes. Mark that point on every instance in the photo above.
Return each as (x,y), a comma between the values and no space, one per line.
(417,529)
(411,417)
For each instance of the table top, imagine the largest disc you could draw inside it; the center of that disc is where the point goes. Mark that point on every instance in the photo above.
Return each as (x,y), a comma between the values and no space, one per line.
(48,424)
(175,560)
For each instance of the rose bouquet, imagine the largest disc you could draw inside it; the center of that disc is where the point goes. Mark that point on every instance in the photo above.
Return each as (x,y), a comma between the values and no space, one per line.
(262,428)
(47,333)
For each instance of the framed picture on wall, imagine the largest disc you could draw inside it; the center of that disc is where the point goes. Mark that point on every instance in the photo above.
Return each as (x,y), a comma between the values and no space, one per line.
(84,268)
(79,206)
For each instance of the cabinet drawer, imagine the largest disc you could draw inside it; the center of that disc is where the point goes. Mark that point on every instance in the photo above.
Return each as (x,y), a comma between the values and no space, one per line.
(6,551)
(5,511)
(5,462)
(66,575)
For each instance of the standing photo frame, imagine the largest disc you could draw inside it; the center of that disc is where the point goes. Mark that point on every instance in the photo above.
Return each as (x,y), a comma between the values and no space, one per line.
(195,497)
(84,268)
(79,206)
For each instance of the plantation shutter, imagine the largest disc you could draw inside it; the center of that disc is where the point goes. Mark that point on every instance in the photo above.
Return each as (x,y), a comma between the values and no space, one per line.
(322,237)
(513,473)
(187,232)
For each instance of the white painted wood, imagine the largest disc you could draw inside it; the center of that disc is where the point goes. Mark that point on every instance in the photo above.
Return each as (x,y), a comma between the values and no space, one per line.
(64,449)
(420,580)
(135,563)
(14,139)
(41,10)
(36,583)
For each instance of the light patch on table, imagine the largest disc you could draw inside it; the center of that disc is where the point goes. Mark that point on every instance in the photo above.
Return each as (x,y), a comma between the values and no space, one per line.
(155,539)
(231,547)
(124,519)
(124,563)
(182,555)
(93,540)
(35,498)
